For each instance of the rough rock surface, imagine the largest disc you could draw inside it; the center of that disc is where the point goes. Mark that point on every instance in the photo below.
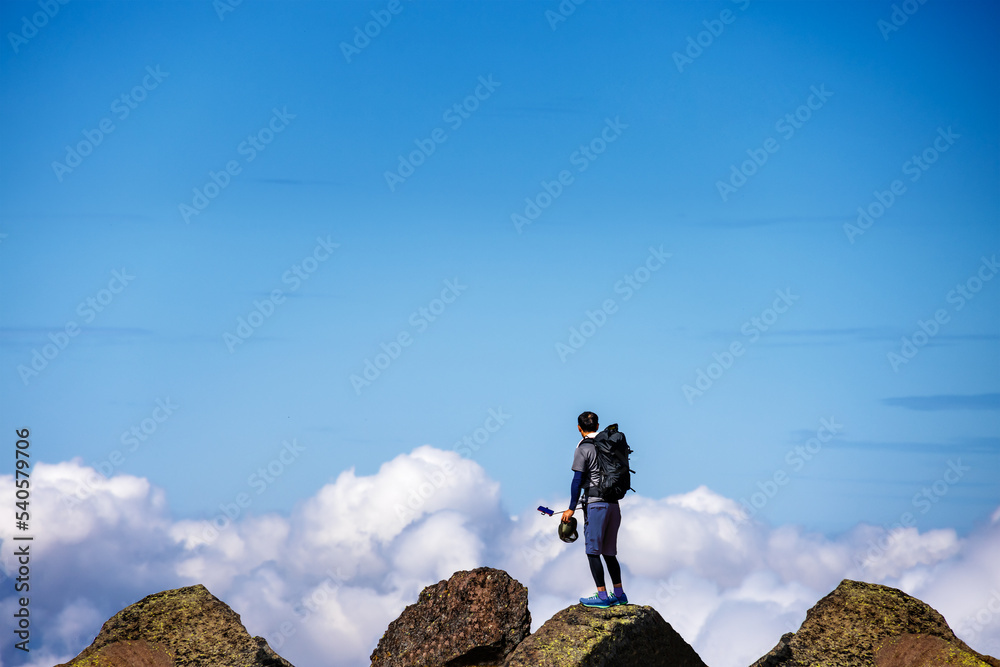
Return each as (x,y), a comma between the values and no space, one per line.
(620,636)
(850,626)
(127,654)
(474,618)
(180,627)
(924,651)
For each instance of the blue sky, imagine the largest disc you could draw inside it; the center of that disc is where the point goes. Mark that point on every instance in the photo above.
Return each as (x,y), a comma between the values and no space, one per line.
(760,236)
(609,67)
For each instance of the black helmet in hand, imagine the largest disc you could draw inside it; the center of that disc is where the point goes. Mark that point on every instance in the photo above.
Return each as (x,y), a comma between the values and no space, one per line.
(567,530)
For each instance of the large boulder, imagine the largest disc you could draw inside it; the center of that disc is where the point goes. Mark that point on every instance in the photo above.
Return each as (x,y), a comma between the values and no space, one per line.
(127,654)
(475,618)
(924,651)
(620,636)
(180,627)
(868,625)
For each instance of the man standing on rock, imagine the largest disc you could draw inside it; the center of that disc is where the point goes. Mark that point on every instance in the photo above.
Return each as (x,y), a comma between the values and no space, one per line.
(601,519)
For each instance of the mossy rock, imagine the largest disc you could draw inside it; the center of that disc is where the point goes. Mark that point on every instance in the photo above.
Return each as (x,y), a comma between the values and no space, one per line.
(620,636)
(473,619)
(189,625)
(848,627)
(127,654)
(924,651)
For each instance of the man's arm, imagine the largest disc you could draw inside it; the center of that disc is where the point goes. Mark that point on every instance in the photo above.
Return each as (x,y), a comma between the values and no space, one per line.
(574,494)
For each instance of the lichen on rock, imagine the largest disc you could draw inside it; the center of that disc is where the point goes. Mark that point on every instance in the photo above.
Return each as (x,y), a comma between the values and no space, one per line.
(580,636)
(180,627)
(473,619)
(850,626)
(912,650)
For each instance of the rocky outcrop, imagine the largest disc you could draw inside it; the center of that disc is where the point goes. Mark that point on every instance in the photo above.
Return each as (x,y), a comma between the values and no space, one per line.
(868,625)
(480,618)
(475,618)
(126,654)
(925,651)
(185,626)
(579,636)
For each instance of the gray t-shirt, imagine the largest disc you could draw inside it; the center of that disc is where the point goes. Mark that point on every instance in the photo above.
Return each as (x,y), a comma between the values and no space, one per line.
(585,461)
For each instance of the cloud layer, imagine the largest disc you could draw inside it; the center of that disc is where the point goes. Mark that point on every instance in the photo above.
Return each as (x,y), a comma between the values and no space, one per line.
(323,583)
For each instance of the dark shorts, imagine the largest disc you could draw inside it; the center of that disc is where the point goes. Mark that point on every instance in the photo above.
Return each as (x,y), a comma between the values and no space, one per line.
(600,528)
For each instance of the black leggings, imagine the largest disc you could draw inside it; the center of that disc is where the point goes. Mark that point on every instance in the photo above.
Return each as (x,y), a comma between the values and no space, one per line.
(596,569)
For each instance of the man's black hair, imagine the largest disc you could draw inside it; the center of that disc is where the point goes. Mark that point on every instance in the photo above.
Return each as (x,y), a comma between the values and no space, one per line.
(587,421)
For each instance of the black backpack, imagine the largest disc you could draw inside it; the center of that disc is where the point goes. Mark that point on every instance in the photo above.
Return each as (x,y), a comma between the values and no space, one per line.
(612,460)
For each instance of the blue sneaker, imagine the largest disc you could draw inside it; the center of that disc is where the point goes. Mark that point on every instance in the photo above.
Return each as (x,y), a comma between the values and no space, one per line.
(596,601)
(619,599)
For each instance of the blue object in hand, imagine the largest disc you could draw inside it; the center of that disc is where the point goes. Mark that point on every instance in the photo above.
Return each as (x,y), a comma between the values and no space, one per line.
(545,510)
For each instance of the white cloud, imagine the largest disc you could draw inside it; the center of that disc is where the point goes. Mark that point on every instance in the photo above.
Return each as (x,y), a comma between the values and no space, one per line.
(965,588)
(738,632)
(74,622)
(887,554)
(323,583)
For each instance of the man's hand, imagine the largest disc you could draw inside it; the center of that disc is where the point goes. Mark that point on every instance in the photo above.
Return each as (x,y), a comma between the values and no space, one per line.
(566,515)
